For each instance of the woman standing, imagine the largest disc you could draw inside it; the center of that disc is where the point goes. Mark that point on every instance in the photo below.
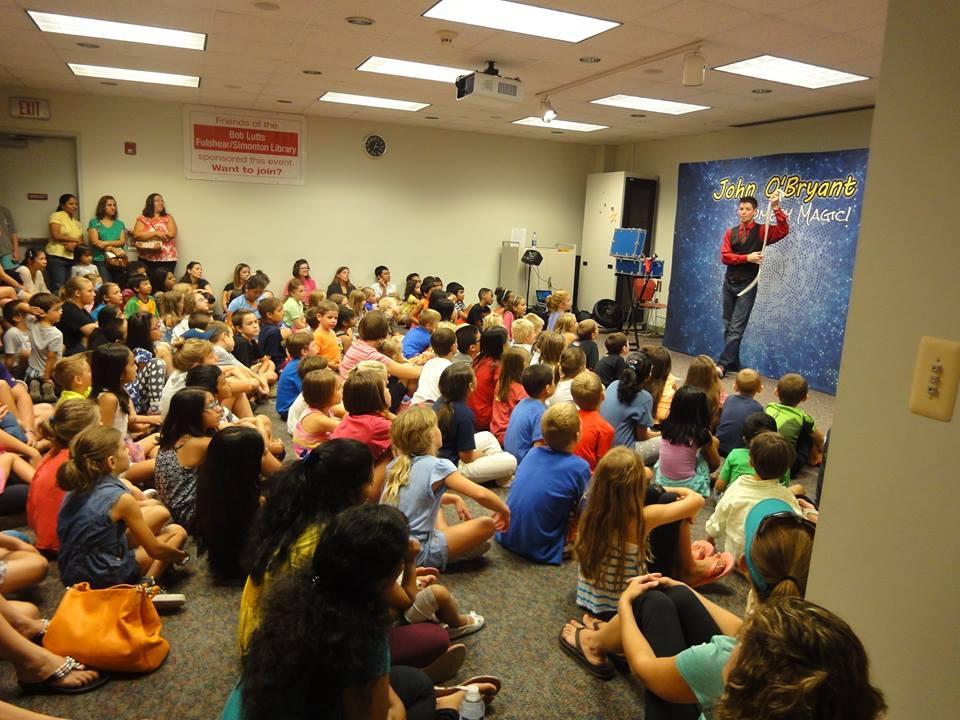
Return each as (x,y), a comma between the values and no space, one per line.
(301,271)
(155,235)
(65,234)
(106,232)
(341,285)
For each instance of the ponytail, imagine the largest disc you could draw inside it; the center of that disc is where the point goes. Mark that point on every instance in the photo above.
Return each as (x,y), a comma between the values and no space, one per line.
(410,435)
(636,371)
(89,452)
(397,477)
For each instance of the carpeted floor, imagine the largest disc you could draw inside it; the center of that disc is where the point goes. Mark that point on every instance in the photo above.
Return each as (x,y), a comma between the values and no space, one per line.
(525,606)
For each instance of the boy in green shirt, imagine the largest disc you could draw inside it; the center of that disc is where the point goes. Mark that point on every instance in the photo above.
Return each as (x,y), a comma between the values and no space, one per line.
(793,423)
(737,462)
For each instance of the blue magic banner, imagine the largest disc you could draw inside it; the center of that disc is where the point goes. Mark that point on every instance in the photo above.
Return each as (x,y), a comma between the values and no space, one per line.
(799,317)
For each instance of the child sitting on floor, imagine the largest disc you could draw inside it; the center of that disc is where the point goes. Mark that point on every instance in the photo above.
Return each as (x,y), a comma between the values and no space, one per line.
(794,424)
(523,335)
(509,390)
(417,338)
(299,345)
(16,340)
(416,484)
(246,346)
(327,315)
(587,333)
(573,361)
(596,434)
(73,376)
(299,407)
(662,384)
(321,392)
(771,455)
(99,513)
(688,452)
(547,489)
(702,373)
(524,429)
(610,366)
(566,327)
(293,316)
(443,342)
(271,333)
(737,408)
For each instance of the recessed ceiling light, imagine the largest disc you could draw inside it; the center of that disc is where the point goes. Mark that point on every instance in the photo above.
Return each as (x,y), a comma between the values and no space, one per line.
(143,76)
(761,91)
(590,59)
(639,115)
(653,71)
(107,82)
(268,6)
(790,72)
(520,18)
(312,72)
(407,68)
(233,87)
(366,100)
(363,21)
(431,117)
(633,102)
(561,124)
(285,102)
(89,46)
(88,27)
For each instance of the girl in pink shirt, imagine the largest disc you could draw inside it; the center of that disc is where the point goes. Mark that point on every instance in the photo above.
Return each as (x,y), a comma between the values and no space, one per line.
(509,390)
(688,450)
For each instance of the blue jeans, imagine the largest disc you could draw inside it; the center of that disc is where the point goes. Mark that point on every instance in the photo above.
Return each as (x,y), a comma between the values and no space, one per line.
(58,272)
(736,315)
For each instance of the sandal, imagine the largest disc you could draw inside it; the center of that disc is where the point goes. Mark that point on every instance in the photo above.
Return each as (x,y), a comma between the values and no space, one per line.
(448,664)
(44,626)
(619,660)
(476,624)
(716,574)
(604,671)
(69,665)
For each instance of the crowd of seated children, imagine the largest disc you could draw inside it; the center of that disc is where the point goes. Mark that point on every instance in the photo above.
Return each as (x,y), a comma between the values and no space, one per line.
(573,361)
(477,453)
(416,483)
(546,491)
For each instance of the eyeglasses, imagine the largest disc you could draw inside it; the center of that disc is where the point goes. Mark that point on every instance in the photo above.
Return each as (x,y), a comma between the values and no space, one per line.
(215,405)
(785,516)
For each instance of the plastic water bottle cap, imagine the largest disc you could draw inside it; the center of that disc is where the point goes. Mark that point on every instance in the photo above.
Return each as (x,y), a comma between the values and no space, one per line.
(473,694)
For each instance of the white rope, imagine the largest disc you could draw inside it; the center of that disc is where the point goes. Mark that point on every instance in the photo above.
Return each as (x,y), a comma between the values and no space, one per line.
(763,247)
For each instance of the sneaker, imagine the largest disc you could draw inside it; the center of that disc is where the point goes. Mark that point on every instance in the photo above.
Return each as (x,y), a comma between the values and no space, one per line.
(47,393)
(468,629)
(35,391)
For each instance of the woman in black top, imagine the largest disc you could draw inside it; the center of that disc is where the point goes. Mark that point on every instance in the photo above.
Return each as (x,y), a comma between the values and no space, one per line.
(76,324)
(341,285)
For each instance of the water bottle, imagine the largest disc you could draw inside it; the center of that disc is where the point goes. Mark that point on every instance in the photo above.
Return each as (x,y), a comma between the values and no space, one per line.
(472,707)
(533,240)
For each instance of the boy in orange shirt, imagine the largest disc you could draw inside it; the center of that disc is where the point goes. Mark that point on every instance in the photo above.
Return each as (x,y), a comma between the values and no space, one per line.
(596,434)
(324,336)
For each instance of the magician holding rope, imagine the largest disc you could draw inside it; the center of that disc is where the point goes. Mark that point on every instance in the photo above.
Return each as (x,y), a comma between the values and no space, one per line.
(742,253)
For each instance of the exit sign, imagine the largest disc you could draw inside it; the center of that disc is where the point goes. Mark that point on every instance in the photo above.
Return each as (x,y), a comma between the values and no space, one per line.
(31,108)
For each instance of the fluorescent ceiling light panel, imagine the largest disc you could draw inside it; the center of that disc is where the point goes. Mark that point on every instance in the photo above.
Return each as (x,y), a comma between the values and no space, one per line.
(407,68)
(667,107)
(88,27)
(144,76)
(790,72)
(385,103)
(560,124)
(519,18)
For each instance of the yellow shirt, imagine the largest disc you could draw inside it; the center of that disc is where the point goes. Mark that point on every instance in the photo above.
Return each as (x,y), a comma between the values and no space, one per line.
(301,554)
(69,227)
(73,395)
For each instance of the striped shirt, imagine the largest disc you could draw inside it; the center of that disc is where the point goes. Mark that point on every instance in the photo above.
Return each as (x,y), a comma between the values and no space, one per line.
(599,599)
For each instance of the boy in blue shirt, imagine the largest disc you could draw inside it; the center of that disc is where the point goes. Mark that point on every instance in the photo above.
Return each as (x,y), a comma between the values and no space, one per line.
(547,489)
(523,429)
(417,338)
(271,335)
(737,408)
(299,345)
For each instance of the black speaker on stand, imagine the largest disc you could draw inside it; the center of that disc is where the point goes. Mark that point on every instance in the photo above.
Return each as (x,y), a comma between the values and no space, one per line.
(530,257)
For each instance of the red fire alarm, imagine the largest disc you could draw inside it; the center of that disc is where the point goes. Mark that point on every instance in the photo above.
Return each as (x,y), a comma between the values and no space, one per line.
(129,148)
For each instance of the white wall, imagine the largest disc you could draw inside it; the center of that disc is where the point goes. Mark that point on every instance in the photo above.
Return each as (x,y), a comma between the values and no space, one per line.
(44,165)
(438,202)
(885,556)
(660,159)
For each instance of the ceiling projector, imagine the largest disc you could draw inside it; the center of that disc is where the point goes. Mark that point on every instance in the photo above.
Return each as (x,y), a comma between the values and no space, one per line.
(486,87)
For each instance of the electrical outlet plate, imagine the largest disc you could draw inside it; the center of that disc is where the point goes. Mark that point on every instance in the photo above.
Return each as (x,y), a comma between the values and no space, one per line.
(935,378)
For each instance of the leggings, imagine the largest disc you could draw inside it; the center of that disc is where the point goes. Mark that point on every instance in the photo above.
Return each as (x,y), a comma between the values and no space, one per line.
(416,691)
(417,645)
(13,499)
(664,540)
(672,620)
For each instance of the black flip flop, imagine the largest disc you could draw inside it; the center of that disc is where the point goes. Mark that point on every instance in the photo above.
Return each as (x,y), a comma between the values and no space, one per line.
(604,671)
(69,665)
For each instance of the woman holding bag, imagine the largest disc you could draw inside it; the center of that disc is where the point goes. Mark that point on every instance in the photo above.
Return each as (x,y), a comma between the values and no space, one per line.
(97,511)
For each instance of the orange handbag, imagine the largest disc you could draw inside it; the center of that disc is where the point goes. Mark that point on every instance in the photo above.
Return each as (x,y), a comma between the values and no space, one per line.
(112,629)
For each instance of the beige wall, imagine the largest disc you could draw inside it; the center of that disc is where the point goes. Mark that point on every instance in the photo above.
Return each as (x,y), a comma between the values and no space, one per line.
(661,158)
(885,557)
(459,191)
